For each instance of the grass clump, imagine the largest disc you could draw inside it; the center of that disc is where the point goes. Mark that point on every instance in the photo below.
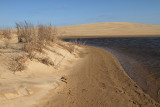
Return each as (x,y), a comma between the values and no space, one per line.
(18,63)
(47,61)
(47,34)
(7,33)
(35,38)
(26,32)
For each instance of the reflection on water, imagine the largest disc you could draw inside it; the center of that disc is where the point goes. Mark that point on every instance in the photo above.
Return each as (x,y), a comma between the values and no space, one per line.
(140,57)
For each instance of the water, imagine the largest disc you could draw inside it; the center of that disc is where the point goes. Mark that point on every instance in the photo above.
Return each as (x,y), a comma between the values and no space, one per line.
(140,58)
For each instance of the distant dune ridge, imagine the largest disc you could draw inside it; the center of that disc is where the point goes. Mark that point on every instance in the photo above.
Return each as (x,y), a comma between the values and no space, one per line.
(110,29)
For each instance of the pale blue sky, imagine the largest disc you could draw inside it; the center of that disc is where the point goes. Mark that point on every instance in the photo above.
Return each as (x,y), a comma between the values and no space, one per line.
(71,12)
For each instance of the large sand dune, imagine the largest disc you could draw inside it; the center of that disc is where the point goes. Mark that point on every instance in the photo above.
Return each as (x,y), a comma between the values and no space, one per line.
(110,29)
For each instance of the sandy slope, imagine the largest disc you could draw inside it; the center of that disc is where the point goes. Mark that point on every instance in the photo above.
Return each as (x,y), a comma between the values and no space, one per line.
(27,87)
(110,29)
(97,80)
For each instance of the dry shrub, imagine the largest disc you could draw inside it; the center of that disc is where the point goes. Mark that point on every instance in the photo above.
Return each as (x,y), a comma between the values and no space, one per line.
(18,63)
(29,48)
(78,42)
(26,32)
(46,61)
(47,34)
(70,46)
(35,38)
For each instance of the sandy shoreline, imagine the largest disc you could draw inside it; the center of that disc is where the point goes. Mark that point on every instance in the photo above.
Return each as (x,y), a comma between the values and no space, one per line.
(93,77)
(79,75)
(109,36)
(98,79)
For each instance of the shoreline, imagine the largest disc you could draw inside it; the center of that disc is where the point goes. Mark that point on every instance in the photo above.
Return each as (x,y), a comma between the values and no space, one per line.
(109,36)
(133,67)
(98,79)
(141,78)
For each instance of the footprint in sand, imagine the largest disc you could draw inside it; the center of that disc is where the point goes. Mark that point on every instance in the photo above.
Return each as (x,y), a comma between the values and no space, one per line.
(117,90)
(102,85)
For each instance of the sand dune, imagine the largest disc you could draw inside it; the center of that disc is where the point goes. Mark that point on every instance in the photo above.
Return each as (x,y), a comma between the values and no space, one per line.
(25,87)
(110,29)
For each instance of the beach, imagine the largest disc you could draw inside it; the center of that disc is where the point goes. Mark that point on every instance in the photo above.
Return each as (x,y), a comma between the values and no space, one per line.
(73,73)
(98,80)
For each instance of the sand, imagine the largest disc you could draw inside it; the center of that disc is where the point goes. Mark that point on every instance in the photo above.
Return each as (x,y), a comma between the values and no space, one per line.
(27,87)
(110,29)
(87,77)
(93,77)
(97,80)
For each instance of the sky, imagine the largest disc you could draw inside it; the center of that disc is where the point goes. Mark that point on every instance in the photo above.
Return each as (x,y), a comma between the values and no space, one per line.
(73,12)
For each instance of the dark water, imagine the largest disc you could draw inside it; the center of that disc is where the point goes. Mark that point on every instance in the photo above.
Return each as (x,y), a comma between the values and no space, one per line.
(140,58)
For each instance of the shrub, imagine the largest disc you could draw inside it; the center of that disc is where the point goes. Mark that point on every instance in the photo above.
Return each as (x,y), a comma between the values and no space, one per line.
(18,63)
(46,61)
(70,46)
(47,34)
(26,32)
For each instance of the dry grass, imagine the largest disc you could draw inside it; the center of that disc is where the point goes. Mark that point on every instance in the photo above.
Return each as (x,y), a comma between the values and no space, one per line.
(35,39)
(7,33)
(30,48)
(46,60)
(18,63)
(26,32)
(47,34)
(78,42)
(69,47)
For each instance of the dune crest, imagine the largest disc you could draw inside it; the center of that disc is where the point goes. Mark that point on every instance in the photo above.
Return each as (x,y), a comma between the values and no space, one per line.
(110,29)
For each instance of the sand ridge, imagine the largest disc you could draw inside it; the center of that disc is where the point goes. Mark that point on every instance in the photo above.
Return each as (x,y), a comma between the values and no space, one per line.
(27,87)
(110,29)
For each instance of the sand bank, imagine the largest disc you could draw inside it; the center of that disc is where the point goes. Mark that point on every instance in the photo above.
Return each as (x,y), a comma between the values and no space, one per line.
(96,80)
(27,87)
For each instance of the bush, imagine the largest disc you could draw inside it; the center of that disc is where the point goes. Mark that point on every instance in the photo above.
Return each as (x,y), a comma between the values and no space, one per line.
(47,34)
(18,63)
(46,60)
(26,32)
(35,38)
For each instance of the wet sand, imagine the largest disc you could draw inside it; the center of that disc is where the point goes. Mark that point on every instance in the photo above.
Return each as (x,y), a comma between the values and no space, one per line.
(97,80)
(138,56)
